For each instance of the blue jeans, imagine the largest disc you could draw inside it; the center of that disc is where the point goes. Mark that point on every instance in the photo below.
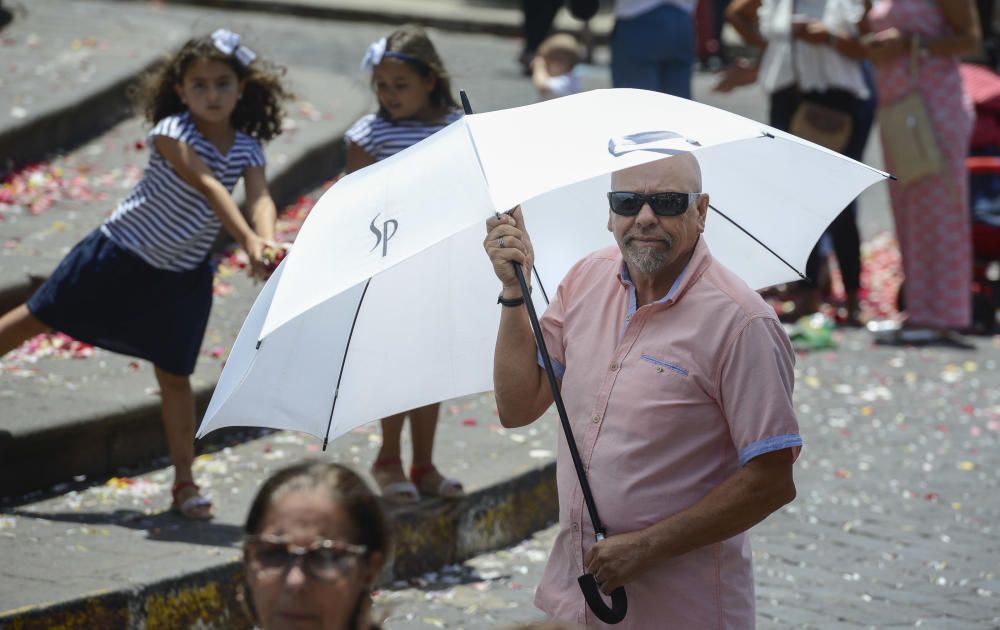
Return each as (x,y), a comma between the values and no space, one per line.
(654,51)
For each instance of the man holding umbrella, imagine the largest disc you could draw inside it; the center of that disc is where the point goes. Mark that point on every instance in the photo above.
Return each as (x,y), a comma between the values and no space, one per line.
(677,379)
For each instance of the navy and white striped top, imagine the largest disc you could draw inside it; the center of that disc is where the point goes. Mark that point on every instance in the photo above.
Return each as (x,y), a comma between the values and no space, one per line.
(381,138)
(164,220)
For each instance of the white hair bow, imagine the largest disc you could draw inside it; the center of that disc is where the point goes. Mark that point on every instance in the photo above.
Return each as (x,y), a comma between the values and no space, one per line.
(229,43)
(374,54)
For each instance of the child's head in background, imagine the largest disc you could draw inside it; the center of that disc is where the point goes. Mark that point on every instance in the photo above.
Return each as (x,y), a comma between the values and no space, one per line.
(217,79)
(408,76)
(561,53)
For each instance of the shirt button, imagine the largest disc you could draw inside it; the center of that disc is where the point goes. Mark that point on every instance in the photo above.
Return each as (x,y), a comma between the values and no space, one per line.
(596,419)
(659,369)
(614,366)
(575,527)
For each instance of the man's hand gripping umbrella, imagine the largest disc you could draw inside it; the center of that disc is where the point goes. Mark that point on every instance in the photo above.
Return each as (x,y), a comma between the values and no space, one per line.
(510,220)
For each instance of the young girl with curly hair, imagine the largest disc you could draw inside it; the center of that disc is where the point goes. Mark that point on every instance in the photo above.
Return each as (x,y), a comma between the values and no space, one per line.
(141,283)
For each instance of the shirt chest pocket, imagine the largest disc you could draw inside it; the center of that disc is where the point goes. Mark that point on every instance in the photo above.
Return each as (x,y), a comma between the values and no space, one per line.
(660,366)
(667,379)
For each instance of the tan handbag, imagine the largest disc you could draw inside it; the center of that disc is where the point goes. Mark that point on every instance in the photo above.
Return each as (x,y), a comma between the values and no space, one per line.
(908,135)
(824,118)
(824,125)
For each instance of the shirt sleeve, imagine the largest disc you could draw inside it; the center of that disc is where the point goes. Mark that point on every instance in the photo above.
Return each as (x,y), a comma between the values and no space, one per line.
(558,86)
(755,391)
(551,324)
(360,133)
(177,127)
(257,157)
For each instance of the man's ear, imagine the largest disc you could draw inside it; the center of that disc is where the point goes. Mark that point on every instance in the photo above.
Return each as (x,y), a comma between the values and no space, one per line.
(609,221)
(702,211)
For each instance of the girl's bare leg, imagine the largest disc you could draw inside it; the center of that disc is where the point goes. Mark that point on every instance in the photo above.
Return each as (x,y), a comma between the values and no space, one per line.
(17,326)
(178,424)
(429,480)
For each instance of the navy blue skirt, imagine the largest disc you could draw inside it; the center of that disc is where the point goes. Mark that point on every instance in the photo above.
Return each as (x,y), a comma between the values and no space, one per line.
(106,296)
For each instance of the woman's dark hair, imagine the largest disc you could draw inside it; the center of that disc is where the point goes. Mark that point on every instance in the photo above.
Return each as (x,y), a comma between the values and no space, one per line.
(411,40)
(341,484)
(258,113)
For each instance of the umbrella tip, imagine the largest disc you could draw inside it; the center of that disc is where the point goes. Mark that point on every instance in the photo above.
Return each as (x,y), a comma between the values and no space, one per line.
(259,341)
(466,105)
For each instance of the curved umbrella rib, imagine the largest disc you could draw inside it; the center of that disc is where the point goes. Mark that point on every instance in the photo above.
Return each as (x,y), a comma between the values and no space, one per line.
(758,241)
(343,362)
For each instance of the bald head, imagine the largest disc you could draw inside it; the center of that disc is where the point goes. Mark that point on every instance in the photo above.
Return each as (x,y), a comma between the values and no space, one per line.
(679,173)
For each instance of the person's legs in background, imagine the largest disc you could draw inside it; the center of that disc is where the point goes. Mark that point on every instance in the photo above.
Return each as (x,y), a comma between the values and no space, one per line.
(718,22)
(423,472)
(388,466)
(654,51)
(538,17)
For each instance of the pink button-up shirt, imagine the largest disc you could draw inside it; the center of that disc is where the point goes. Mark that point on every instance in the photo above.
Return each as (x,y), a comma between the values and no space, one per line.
(666,402)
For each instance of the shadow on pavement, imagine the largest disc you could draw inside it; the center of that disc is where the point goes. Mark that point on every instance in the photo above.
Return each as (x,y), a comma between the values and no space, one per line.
(163,526)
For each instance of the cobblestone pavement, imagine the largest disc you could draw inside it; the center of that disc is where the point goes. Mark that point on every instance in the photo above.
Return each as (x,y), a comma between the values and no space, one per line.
(895,524)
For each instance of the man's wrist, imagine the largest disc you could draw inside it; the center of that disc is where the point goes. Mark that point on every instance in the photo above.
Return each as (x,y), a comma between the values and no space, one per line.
(511,292)
(511,297)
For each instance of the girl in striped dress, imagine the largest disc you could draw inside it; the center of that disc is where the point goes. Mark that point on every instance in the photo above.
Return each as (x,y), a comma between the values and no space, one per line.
(414,101)
(141,283)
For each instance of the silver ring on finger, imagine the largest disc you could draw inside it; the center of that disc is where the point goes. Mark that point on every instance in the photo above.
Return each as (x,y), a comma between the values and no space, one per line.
(500,242)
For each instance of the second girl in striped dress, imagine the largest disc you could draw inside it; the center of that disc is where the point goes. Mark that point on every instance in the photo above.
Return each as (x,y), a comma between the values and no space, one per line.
(414,102)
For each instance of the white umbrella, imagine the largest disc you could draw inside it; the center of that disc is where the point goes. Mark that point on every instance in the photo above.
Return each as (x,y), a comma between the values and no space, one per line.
(387,301)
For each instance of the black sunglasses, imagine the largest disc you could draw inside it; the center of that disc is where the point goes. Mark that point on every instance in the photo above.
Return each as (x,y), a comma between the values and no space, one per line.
(324,560)
(664,204)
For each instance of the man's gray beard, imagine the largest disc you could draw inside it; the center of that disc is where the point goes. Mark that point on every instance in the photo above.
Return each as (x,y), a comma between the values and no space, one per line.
(647,260)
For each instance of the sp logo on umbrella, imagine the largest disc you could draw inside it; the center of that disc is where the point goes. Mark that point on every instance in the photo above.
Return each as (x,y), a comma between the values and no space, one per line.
(667,142)
(382,236)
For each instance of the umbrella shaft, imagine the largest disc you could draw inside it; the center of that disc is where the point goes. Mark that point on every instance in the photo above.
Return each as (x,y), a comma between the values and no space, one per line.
(581,473)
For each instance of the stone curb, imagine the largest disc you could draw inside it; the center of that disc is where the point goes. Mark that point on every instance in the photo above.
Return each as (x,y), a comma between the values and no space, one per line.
(68,126)
(426,537)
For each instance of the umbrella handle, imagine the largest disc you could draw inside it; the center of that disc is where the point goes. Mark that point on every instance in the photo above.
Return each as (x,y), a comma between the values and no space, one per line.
(592,594)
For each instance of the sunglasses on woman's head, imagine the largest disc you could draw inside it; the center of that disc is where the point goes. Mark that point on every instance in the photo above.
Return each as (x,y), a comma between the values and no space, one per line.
(664,204)
(324,560)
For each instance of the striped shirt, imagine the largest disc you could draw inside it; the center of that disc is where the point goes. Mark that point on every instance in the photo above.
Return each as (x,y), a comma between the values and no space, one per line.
(164,220)
(381,138)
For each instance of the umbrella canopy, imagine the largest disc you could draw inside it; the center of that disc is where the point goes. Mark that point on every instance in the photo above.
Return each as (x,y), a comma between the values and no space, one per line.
(387,302)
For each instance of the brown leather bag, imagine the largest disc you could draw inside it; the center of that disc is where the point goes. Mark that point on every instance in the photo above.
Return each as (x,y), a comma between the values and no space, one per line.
(825,125)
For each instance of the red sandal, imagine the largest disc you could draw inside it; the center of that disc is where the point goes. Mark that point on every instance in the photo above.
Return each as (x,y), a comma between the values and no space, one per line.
(447,489)
(400,492)
(195,507)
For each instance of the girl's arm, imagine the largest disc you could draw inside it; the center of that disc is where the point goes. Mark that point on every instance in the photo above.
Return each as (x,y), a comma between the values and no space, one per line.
(540,75)
(263,213)
(742,14)
(186,162)
(357,158)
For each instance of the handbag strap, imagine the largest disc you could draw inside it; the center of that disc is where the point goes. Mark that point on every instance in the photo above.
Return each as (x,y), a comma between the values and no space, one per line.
(914,60)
